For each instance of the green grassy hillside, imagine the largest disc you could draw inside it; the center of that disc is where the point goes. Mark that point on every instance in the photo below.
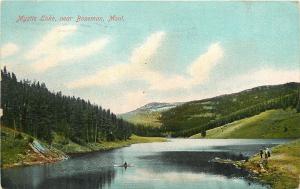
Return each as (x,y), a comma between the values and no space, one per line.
(193,117)
(148,118)
(13,146)
(269,124)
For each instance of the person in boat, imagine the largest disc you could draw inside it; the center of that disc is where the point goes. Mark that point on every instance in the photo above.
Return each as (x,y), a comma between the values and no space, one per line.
(125,164)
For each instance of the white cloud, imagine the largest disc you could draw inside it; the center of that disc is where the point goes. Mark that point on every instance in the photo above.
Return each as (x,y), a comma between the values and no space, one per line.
(267,76)
(145,52)
(50,40)
(103,77)
(48,53)
(197,73)
(203,65)
(251,79)
(8,49)
(273,76)
(136,69)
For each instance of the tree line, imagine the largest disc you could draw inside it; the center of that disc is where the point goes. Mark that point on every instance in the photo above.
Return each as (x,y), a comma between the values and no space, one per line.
(284,102)
(150,131)
(31,108)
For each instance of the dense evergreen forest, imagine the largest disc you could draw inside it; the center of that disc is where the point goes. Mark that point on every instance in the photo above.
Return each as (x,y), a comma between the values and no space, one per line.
(31,108)
(198,116)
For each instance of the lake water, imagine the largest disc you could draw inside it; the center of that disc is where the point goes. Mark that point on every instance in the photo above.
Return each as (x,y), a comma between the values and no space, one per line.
(177,164)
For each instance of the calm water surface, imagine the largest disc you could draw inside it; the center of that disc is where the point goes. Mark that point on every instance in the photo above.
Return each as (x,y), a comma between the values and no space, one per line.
(179,163)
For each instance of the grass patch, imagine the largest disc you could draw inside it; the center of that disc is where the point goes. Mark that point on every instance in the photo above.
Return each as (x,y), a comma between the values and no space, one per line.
(16,151)
(13,149)
(283,169)
(73,148)
(138,139)
(150,119)
(68,146)
(122,143)
(269,124)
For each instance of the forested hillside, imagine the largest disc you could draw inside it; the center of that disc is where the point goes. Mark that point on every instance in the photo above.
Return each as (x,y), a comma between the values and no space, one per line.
(198,116)
(31,108)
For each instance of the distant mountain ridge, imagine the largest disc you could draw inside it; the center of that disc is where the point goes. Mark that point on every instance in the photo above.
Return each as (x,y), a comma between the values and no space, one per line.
(156,106)
(149,114)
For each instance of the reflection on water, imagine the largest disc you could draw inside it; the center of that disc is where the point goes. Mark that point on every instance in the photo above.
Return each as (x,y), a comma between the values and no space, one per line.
(86,171)
(89,180)
(186,180)
(197,162)
(39,177)
(180,163)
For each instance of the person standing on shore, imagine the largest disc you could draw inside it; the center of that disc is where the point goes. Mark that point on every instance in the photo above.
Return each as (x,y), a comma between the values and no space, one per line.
(261,152)
(268,152)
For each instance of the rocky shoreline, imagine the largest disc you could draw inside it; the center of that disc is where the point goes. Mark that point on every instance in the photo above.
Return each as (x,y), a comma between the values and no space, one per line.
(241,164)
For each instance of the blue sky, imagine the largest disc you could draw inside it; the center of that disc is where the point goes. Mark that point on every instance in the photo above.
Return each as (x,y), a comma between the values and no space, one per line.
(160,51)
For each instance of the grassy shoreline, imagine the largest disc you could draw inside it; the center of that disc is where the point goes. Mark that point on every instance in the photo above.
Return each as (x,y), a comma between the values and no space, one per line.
(104,146)
(283,168)
(16,151)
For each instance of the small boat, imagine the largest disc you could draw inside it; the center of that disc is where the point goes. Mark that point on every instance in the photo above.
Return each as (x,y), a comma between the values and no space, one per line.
(122,165)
